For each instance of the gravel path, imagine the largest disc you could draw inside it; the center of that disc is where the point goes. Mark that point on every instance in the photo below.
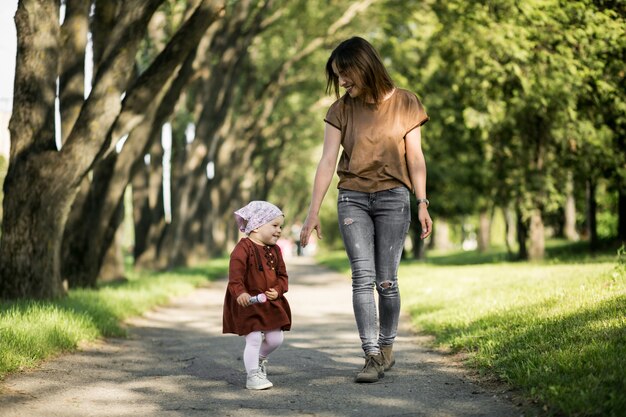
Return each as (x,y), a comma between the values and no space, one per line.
(177,363)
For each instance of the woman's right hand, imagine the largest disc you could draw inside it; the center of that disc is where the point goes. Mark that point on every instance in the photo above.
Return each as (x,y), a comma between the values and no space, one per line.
(311,223)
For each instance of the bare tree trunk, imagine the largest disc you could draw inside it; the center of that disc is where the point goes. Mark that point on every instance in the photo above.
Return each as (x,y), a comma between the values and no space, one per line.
(509,230)
(441,239)
(72,72)
(156,91)
(569,228)
(231,44)
(32,211)
(41,183)
(155,220)
(536,250)
(621,214)
(141,208)
(484,230)
(592,208)
(89,235)
(522,233)
(113,263)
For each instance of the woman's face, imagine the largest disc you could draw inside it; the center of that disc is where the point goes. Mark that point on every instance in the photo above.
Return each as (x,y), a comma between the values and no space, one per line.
(345,82)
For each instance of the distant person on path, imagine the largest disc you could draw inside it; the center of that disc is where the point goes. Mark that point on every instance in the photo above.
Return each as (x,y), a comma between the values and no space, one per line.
(378,127)
(296,228)
(257,270)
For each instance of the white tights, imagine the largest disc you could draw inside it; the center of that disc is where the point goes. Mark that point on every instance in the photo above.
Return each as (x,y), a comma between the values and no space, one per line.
(257,346)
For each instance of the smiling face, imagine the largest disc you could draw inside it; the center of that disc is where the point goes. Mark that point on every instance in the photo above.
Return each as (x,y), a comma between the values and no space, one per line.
(346,81)
(356,66)
(269,233)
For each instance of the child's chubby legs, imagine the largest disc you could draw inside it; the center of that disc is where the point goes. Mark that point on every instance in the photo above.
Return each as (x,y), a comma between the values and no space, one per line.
(259,347)
(255,356)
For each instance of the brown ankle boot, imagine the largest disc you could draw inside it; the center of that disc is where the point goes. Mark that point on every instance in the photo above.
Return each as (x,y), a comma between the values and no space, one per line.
(373,369)
(388,359)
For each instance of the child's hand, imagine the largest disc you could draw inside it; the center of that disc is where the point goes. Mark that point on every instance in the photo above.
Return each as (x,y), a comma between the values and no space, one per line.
(272,294)
(244,299)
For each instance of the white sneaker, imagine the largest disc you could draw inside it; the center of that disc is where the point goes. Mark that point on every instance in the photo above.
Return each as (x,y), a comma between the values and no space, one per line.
(263,367)
(256,380)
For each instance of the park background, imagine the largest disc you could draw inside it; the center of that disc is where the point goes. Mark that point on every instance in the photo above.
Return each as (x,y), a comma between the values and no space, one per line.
(137,128)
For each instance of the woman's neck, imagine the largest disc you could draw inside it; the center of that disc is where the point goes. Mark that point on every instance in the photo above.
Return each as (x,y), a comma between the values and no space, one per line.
(387,96)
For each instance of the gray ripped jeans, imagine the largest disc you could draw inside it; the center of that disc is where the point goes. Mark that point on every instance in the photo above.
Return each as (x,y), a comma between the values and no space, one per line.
(374,227)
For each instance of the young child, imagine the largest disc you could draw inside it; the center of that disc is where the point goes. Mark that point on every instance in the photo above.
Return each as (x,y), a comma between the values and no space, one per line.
(257,267)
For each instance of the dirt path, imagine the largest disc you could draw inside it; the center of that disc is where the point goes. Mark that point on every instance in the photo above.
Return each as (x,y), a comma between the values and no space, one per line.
(177,363)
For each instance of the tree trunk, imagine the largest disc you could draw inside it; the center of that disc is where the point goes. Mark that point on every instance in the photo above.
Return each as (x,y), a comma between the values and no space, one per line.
(113,268)
(522,232)
(441,239)
(484,230)
(141,208)
(621,214)
(89,236)
(536,250)
(157,92)
(569,227)
(231,45)
(32,210)
(155,220)
(592,208)
(41,183)
(230,134)
(72,72)
(31,232)
(509,230)
(188,182)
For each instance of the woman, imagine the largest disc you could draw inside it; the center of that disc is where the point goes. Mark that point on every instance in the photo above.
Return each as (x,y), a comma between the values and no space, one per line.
(378,127)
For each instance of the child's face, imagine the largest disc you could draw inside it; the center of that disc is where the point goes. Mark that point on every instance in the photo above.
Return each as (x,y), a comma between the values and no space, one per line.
(269,233)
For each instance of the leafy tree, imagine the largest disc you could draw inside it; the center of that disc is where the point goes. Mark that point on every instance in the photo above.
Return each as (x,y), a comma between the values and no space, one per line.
(504,82)
(247,107)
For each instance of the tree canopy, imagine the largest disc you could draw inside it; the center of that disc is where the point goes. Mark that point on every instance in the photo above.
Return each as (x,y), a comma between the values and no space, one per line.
(526,102)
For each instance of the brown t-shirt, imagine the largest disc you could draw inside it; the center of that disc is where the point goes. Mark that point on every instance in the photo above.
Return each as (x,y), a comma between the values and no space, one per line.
(372,137)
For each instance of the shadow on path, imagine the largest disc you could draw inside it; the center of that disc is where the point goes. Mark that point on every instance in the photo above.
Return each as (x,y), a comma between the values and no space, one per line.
(178,363)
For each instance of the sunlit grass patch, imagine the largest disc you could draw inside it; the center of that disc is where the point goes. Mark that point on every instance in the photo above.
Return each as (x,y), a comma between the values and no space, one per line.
(34,330)
(30,331)
(557,330)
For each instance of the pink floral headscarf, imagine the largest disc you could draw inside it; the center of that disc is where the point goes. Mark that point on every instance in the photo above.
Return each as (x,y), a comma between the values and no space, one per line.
(255,215)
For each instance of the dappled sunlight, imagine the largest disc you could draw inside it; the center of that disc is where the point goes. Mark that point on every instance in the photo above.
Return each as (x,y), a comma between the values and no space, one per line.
(177,361)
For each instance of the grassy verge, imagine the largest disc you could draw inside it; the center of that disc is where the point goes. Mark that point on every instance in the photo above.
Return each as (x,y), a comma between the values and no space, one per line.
(555,330)
(34,330)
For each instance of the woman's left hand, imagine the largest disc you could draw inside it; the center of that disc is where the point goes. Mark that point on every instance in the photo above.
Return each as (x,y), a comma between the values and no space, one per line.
(272,294)
(425,221)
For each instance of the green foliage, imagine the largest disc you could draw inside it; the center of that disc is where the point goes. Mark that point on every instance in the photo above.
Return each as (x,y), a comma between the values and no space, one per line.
(519,94)
(291,143)
(34,330)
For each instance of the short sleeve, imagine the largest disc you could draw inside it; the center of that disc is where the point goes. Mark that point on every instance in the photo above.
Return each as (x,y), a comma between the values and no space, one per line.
(416,114)
(334,116)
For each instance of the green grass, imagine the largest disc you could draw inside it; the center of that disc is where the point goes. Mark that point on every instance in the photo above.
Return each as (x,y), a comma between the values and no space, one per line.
(34,330)
(555,329)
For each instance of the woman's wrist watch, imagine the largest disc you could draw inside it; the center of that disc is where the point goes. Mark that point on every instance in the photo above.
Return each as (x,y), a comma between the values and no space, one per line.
(423,200)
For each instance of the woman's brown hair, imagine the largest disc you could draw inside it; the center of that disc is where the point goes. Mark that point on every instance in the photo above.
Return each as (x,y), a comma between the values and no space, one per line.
(358,59)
